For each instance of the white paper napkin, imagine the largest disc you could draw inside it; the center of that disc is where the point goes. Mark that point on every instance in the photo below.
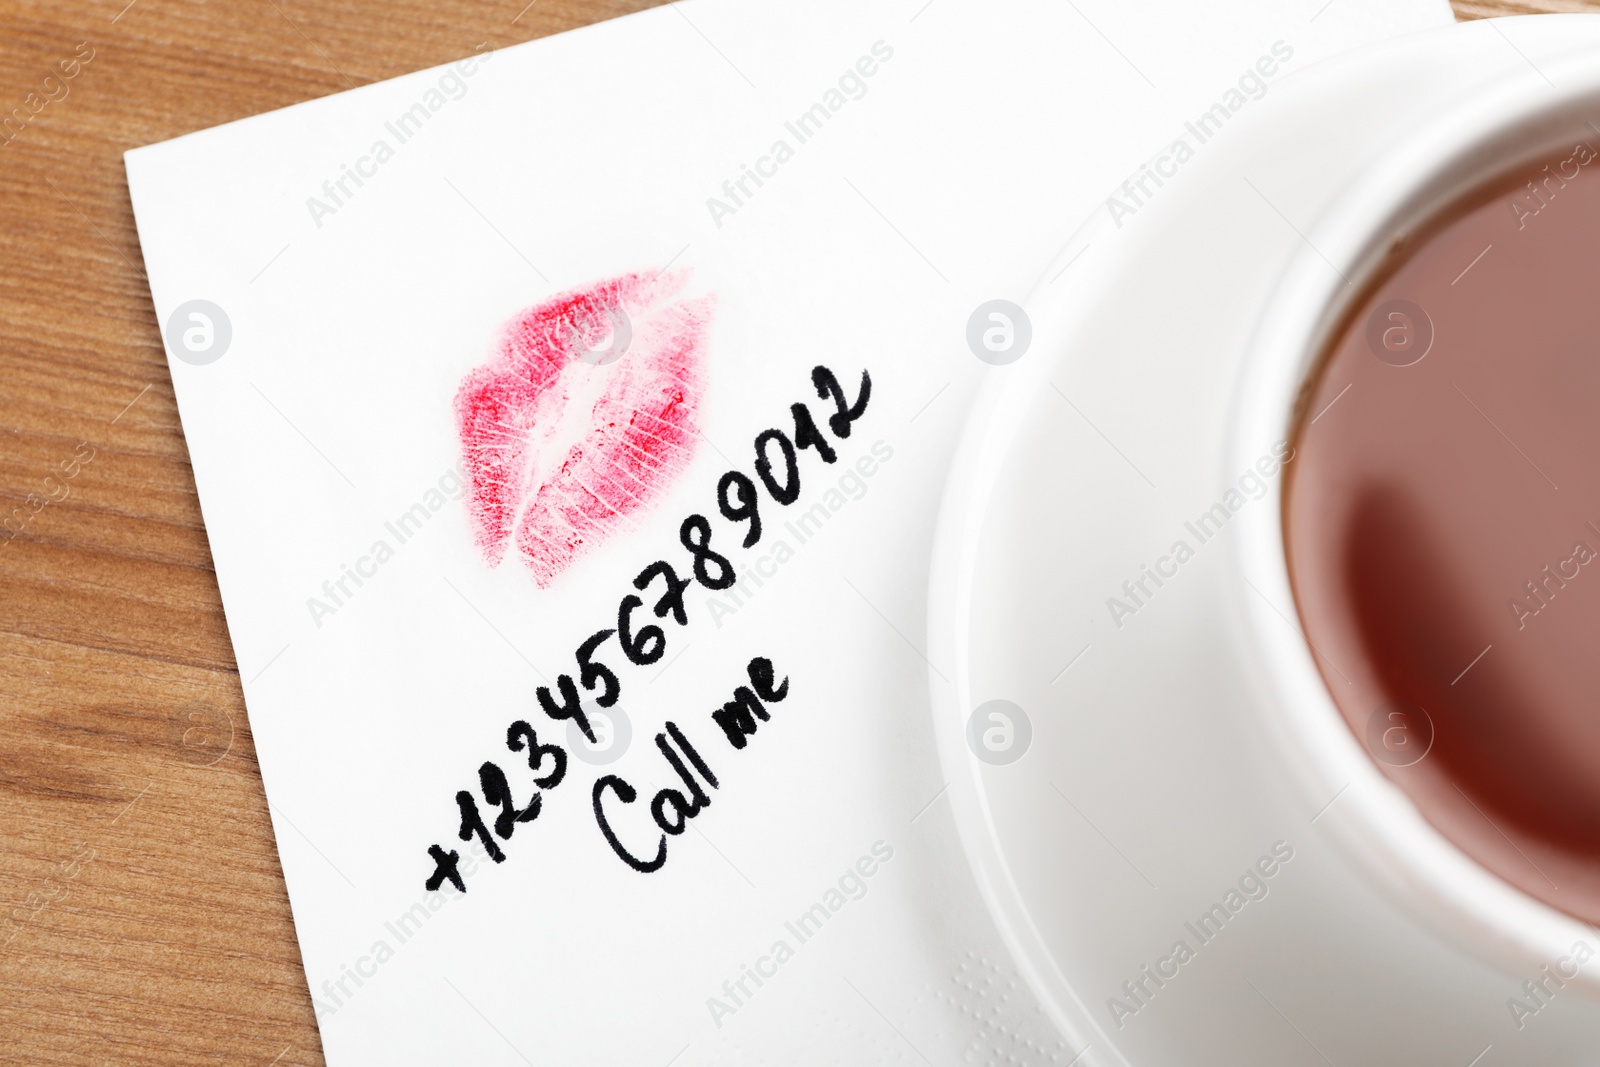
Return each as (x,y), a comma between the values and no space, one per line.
(355,257)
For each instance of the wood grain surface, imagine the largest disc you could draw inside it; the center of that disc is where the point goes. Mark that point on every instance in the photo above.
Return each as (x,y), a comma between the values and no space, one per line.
(145,919)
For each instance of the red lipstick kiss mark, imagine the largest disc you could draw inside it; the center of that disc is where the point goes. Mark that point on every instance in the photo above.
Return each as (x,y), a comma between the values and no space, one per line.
(583,416)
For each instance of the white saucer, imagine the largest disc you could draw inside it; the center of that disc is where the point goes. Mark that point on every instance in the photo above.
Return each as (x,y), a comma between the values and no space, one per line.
(1153,783)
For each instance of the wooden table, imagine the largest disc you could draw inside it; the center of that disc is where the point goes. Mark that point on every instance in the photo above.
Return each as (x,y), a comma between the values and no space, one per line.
(145,914)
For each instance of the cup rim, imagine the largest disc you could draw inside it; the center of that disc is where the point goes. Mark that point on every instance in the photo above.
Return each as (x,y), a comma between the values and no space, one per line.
(1472,144)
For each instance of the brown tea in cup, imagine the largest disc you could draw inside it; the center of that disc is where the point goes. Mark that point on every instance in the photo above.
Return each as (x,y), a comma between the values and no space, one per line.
(1442,524)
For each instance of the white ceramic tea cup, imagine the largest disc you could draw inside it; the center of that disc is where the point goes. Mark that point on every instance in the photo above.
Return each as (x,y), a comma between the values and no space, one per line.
(1177,752)
(1500,122)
